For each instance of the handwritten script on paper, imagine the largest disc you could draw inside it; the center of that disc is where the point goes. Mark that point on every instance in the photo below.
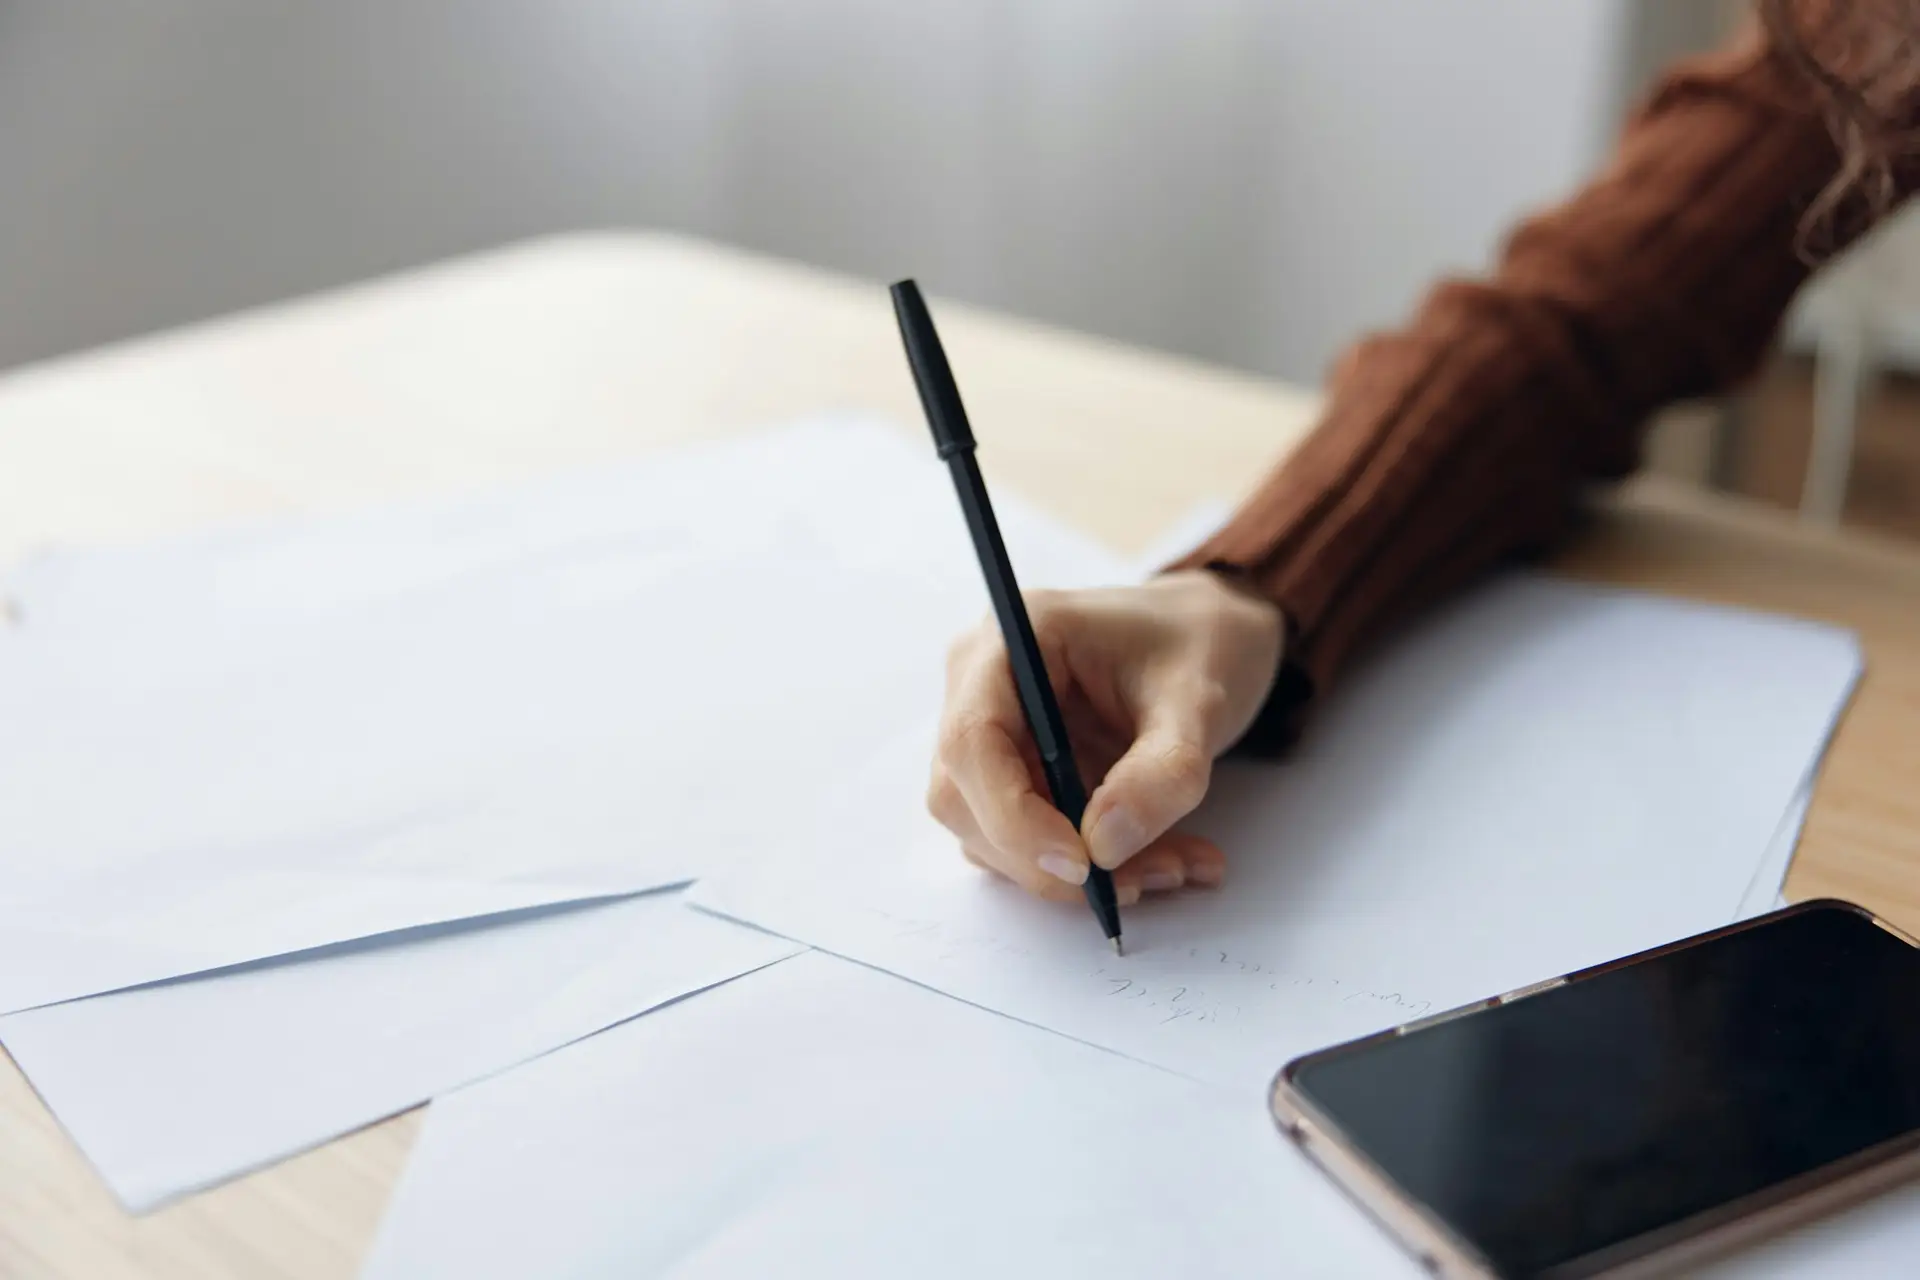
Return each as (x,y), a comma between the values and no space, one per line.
(1195,985)
(1191,997)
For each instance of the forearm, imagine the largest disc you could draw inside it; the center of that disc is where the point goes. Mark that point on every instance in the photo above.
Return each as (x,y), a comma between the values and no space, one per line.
(1467,436)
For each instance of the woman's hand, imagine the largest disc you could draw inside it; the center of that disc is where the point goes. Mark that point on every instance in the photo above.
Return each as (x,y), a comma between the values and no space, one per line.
(1154,681)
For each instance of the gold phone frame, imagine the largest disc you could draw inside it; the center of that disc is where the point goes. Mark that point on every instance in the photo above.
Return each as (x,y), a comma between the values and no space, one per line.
(1670,1250)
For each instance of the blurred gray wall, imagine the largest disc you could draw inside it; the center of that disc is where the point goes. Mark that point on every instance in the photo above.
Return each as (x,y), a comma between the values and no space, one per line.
(1252,181)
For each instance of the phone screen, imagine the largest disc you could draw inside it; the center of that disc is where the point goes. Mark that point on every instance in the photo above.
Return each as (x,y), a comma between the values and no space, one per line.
(1565,1124)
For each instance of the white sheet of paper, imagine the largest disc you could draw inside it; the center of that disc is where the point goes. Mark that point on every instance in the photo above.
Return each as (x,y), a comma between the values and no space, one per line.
(1765,892)
(174,1087)
(1541,777)
(407,717)
(820,1119)
(700,500)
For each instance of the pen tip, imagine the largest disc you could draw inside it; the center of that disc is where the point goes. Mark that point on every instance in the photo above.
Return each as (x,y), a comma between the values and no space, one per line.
(1117,948)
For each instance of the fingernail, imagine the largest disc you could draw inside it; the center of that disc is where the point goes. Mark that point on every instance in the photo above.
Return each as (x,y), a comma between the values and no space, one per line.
(1061,867)
(1207,874)
(1126,894)
(1161,881)
(1116,837)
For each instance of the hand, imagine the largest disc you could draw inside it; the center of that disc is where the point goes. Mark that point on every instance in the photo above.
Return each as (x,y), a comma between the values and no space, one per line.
(1154,682)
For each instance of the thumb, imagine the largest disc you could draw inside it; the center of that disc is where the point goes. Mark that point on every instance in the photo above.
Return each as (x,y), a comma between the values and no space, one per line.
(1160,780)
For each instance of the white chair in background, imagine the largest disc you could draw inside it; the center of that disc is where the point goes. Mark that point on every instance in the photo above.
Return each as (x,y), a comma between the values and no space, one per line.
(1860,317)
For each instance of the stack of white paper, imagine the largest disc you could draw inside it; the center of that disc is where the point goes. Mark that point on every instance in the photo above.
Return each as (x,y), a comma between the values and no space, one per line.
(554,705)
(227,749)
(173,1087)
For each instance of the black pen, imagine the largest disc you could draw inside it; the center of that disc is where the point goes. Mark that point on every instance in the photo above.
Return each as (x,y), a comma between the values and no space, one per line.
(953,437)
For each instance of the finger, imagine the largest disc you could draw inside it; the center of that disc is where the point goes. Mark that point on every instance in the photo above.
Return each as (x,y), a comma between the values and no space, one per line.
(980,750)
(950,809)
(1013,817)
(1155,869)
(1160,780)
(1205,863)
(1174,861)
(1024,874)
(1202,864)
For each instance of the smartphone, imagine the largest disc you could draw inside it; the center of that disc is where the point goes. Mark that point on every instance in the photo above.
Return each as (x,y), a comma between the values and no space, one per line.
(1637,1118)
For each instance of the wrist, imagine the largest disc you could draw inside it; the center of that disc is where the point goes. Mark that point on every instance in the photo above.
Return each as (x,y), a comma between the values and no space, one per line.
(1245,598)
(1239,638)
(1287,690)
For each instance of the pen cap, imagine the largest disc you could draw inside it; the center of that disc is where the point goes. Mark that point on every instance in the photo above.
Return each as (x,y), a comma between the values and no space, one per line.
(939,395)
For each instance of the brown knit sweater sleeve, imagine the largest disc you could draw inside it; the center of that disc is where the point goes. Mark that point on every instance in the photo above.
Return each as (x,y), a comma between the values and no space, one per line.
(1468,435)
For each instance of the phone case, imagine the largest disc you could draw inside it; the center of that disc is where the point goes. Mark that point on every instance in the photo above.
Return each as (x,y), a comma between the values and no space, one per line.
(1672,1250)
